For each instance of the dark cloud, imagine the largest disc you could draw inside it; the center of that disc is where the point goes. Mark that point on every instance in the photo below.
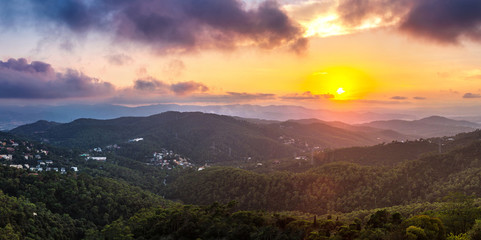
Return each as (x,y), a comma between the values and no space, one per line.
(119,59)
(22,65)
(180,88)
(354,12)
(307,96)
(183,88)
(38,80)
(419,98)
(77,15)
(177,25)
(471,95)
(445,20)
(150,84)
(399,98)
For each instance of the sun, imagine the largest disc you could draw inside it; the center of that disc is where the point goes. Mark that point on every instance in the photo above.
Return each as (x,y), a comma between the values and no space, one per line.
(343,83)
(340,91)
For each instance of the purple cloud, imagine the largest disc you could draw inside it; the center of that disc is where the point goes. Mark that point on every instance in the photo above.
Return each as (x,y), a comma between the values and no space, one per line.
(180,88)
(471,95)
(150,84)
(183,88)
(419,98)
(177,25)
(38,80)
(399,98)
(354,12)
(445,20)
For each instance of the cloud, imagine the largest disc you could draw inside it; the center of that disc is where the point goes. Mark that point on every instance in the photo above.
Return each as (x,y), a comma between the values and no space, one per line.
(181,88)
(445,21)
(119,59)
(419,98)
(471,95)
(399,98)
(307,96)
(176,25)
(38,80)
(355,12)
(150,84)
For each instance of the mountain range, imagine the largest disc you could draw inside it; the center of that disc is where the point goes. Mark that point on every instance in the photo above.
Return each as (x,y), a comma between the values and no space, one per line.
(218,138)
(434,126)
(206,137)
(14,116)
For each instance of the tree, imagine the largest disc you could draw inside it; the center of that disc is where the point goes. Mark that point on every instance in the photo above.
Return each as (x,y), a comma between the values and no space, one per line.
(117,230)
(459,214)
(424,227)
(7,233)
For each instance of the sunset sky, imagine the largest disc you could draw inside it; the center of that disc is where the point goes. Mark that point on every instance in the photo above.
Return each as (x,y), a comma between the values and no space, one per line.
(327,54)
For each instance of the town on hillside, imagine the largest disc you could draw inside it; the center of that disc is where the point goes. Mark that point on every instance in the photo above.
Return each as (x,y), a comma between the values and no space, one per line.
(32,157)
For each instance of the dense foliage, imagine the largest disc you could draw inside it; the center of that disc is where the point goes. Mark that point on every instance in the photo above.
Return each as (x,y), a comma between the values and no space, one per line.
(337,187)
(73,199)
(436,196)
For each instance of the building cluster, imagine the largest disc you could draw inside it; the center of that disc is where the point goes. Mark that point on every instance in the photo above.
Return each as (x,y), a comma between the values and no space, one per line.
(87,157)
(26,155)
(287,140)
(167,159)
(47,166)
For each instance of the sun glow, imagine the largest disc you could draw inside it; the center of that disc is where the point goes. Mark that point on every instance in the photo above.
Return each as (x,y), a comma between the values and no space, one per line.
(331,25)
(344,83)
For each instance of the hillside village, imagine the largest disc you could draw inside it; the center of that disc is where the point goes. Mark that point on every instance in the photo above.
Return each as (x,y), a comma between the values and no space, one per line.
(29,156)
(164,158)
(167,159)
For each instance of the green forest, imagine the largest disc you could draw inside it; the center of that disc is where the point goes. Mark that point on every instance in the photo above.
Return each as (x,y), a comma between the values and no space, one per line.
(353,193)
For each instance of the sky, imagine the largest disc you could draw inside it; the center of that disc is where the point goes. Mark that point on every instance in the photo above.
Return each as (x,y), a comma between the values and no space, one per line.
(392,55)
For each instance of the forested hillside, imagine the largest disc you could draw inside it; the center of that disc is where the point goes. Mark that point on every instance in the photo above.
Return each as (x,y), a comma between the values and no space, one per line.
(338,186)
(205,137)
(398,190)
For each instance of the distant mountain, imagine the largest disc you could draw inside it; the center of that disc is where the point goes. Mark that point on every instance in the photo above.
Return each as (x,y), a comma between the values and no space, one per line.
(434,126)
(206,137)
(14,116)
